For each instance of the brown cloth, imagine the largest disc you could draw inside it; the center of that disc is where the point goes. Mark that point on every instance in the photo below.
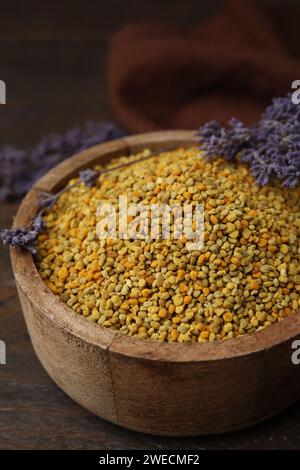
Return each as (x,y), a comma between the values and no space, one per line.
(163,76)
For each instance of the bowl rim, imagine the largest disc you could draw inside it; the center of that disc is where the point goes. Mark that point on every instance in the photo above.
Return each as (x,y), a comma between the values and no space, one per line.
(52,309)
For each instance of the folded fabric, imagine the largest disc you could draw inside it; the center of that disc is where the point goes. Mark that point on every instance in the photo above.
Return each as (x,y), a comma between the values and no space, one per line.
(161,75)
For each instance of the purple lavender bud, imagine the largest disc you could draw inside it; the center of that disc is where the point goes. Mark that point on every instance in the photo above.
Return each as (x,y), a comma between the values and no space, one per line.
(271,148)
(19,169)
(209,129)
(218,141)
(24,238)
(6,236)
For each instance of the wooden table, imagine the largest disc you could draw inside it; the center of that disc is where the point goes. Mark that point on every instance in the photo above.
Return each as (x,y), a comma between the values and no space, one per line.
(56,79)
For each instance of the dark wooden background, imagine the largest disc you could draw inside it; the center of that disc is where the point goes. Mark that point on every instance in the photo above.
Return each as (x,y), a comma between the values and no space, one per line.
(52,58)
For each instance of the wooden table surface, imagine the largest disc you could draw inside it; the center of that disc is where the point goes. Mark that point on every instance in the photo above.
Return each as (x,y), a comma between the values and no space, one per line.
(55,81)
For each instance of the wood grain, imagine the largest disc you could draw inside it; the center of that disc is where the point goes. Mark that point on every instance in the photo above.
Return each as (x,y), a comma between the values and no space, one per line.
(123,379)
(40,50)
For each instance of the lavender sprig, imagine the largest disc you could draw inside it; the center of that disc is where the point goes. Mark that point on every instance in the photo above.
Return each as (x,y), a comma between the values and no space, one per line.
(227,143)
(22,237)
(271,148)
(19,169)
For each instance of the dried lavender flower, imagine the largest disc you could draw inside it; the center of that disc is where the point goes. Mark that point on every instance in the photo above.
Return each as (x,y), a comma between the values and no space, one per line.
(282,109)
(227,143)
(271,148)
(22,237)
(19,169)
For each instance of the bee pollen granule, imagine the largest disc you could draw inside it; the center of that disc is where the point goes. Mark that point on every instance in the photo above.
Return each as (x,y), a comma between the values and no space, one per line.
(245,278)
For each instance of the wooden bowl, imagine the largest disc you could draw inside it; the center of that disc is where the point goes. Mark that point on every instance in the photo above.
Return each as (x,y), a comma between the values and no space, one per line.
(152,387)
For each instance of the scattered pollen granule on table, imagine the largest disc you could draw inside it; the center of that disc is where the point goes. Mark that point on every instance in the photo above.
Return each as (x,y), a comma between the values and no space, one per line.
(244,278)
